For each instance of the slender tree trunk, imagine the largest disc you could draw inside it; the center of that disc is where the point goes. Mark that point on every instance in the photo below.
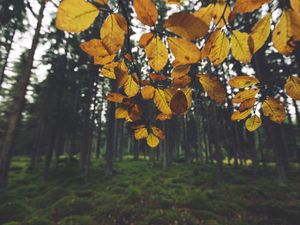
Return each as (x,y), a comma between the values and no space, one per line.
(18,105)
(3,68)
(110,132)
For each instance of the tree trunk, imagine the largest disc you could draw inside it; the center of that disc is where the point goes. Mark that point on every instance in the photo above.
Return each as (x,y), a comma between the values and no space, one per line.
(110,132)
(18,105)
(3,68)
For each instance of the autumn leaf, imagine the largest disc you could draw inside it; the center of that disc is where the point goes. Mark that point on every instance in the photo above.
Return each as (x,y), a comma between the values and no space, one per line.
(96,49)
(205,13)
(180,71)
(141,133)
(75,15)
(163,117)
(253,123)
(274,109)
(213,88)
(115,97)
(240,46)
(249,103)
(145,39)
(220,49)
(152,141)
(108,70)
(221,10)
(161,102)
(179,103)
(131,87)
(146,11)
(283,35)
(121,113)
(181,82)
(260,33)
(186,25)
(237,115)
(292,87)
(244,95)
(243,81)
(121,73)
(185,52)
(245,6)
(102,2)
(113,32)
(158,132)
(148,92)
(156,53)
(135,112)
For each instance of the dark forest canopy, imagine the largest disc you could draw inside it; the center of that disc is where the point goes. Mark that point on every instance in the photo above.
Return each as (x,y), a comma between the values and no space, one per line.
(194,82)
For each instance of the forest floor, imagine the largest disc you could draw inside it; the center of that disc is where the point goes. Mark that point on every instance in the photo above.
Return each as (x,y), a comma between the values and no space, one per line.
(140,194)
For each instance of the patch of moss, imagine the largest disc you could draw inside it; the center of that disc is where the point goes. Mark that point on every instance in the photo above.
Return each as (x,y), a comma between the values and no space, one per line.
(14,211)
(77,220)
(71,205)
(38,221)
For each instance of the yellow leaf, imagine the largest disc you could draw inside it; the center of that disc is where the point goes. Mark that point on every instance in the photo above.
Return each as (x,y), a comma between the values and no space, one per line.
(206,49)
(108,70)
(244,95)
(205,13)
(163,117)
(243,81)
(295,23)
(292,87)
(260,32)
(213,87)
(185,52)
(180,71)
(146,11)
(237,115)
(244,6)
(141,133)
(103,60)
(221,10)
(219,50)
(274,109)
(179,103)
(121,113)
(253,123)
(158,132)
(295,4)
(96,49)
(112,34)
(240,46)
(131,87)
(75,15)
(186,25)
(161,102)
(283,35)
(156,53)
(152,141)
(148,92)
(145,39)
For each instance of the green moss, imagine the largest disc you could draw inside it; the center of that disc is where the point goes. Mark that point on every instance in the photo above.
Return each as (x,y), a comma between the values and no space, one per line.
(71,205)
(77,220)
(14,211)
(171,216)
(38,221)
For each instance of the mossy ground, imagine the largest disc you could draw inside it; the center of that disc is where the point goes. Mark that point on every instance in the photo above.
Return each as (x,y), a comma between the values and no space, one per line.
(141,194)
